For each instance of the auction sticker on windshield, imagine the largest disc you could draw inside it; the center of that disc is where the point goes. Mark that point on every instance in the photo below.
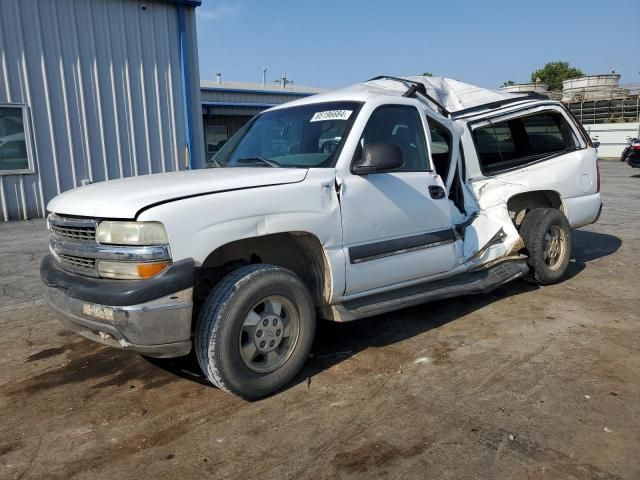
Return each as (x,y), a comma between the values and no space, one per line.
(331,115)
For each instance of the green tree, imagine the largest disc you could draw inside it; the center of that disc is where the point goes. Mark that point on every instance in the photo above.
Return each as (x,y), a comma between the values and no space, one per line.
(427,74)
(508,83)
(553,74)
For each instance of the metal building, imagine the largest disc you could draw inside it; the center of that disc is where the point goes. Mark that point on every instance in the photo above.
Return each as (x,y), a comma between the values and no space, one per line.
(227,106)
(93,90)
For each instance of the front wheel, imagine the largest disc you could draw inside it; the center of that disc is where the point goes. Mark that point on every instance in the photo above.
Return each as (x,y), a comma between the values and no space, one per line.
(255,330)
(547,237)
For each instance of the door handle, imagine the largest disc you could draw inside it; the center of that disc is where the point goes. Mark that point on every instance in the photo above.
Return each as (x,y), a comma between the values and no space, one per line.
(436,192)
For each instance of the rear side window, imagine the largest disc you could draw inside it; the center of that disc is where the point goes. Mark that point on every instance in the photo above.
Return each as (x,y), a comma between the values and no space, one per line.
(519,141)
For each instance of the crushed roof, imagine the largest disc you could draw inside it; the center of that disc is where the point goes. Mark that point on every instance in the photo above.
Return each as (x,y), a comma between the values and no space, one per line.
(454,95)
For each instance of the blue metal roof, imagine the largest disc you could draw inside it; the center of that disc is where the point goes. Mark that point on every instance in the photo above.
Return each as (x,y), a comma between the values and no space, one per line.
(186,3)
(249,90)
(238,104)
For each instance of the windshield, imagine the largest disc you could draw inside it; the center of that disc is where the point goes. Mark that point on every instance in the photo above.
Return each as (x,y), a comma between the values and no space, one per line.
(306,136)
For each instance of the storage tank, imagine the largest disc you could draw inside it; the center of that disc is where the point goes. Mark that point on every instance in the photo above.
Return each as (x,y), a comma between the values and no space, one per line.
(591,87)
(525,87)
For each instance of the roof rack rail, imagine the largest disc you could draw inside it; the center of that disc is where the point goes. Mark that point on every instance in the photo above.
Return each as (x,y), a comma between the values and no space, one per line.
(500,103)
(413,88)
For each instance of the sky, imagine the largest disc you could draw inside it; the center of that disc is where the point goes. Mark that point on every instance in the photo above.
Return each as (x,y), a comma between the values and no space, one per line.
(332,43)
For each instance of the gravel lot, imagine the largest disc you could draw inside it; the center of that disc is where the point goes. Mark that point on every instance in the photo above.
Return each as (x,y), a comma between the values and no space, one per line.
(525,383)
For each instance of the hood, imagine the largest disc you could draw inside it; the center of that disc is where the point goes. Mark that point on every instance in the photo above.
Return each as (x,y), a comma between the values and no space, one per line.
(126,197)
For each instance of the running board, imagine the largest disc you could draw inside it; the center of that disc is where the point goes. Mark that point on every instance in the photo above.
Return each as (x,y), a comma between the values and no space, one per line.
(469,283)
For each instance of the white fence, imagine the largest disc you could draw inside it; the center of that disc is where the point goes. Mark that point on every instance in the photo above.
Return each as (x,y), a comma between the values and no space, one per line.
(612,137)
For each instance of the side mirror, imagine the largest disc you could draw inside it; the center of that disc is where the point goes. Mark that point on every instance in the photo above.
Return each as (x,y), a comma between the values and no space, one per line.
(378,157)
(596,144)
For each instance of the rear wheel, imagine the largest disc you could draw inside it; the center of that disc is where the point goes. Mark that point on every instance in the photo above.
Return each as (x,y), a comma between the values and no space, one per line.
(255,330)
(547,237)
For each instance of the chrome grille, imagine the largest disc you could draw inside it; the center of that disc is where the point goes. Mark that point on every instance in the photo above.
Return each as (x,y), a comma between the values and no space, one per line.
(81,233)
(77,262)
(76,228)
(76,231)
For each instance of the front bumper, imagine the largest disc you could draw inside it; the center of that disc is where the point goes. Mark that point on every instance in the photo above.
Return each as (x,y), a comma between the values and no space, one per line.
(158,327)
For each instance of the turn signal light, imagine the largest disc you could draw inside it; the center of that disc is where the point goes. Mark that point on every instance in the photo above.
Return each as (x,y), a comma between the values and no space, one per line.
(146,270)
(130,270)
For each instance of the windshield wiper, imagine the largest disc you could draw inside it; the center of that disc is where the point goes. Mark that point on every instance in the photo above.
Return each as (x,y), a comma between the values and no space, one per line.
(264,161)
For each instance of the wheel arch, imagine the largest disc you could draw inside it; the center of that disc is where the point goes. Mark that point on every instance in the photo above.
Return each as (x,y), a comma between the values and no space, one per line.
(298,251)
(521,203)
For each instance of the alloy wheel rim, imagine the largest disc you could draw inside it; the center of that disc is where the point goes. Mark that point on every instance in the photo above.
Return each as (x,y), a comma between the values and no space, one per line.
(554,247)
(269,334)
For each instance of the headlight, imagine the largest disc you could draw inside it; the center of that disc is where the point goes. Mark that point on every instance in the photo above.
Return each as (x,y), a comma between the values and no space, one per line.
(131,233)
(130,271)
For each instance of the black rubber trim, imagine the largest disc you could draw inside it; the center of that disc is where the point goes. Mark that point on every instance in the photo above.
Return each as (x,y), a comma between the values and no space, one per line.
(585,136)
(524,106)
(178,276)
(468,283)
(599,213)
(494,105)
(488,174)
(461,227)
(370,251)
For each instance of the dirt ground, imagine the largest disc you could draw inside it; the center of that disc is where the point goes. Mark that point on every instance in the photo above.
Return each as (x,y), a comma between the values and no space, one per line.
(525,383)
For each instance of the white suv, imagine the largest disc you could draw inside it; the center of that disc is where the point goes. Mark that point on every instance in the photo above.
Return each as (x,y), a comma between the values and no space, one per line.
(434,188)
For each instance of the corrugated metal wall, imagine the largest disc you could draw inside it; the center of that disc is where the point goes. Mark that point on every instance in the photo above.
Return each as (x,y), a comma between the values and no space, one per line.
(102,81)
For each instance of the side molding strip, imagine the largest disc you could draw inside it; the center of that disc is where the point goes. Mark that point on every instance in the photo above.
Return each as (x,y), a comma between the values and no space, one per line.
(397,246)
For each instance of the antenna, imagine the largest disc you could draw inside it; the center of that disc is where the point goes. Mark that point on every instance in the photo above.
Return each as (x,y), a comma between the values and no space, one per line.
(284,81)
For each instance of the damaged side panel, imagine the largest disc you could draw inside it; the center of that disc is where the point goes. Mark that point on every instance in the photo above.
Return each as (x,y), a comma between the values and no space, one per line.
(492,233)
(488,232)
(309,207)
(565,180)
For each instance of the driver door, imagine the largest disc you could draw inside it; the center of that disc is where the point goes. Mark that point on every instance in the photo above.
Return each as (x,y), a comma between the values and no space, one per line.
(397,225)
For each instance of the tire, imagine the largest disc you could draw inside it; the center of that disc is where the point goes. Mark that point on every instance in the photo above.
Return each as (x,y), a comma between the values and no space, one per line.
(230,330)
(623,157)
(548,260)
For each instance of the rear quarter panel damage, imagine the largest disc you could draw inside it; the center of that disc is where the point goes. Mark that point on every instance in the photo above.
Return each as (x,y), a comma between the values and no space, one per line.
(571,175)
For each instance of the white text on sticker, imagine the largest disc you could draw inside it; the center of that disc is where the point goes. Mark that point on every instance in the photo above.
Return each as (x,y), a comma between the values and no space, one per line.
(331,115)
